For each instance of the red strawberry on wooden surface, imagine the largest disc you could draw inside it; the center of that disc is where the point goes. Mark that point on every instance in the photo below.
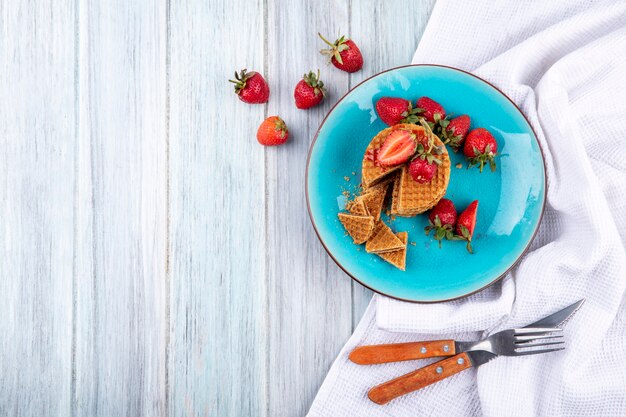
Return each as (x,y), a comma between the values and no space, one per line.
(251,87)
(454,131)
(344,54)
(272,131)
(442,219)
(432,111)
(398,147)
(480,148)
(309,91)
(466,223)
(394,110)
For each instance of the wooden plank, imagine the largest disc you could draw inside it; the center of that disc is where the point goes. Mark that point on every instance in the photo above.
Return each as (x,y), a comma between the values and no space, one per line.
(121,211)
(37,137)
(217,361)
(309,296)
(390,39)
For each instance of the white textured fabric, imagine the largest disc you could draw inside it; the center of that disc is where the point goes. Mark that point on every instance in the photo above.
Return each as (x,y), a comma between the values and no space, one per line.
(564,64)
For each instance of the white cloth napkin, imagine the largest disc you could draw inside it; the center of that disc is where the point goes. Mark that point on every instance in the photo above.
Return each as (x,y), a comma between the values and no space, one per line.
(564,64)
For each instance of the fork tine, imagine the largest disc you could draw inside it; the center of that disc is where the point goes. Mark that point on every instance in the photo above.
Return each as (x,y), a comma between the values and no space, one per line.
(528,338)
(533,330)
(536,352)
(533,345)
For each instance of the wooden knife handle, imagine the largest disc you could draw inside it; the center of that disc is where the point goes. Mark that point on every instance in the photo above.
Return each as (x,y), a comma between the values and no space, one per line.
(396,352)
(383,393)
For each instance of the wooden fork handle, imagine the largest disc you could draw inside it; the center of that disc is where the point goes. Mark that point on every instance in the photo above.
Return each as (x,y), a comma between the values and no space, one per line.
(383,393)
(396,352)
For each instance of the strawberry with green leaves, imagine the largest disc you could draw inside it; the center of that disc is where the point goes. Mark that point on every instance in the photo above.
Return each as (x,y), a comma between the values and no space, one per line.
(397,148)
(424,165)
(442,219)
(453,132)
(272,132)
(466,224)
(480,148)
(309,91)
(343,54)
(251,87)
(430,110)
(394,110)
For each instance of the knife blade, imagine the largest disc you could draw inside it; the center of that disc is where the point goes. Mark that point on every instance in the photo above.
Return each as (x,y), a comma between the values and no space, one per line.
(560,317)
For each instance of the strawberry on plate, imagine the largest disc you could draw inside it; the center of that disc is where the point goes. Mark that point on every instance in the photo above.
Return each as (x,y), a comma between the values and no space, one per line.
(442,219)
(309,91)
(424,166)
(343,54)
(398,148)
(480,148)
(466,223)
(454,131)
(432,111)
(394,110)
(251,87)
(272,132)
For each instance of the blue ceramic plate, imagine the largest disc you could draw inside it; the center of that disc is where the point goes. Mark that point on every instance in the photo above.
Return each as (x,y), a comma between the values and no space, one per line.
(511,200)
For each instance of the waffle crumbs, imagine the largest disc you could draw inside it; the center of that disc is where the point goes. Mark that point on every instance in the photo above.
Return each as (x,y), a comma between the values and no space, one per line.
(346,178)
(459,165)
(413,243)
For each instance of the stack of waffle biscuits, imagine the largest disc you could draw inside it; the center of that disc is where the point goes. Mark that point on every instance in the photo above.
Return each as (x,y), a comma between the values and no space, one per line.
(408,197)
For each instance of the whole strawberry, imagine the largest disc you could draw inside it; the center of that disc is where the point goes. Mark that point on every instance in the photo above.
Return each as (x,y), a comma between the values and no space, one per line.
(454,131)
(432,111)
(466,223)
(272,131)
(394,110)
(344,54)
(251,87)
(424,165)
(309,91)
(442,219)
(397,148)
(480,148)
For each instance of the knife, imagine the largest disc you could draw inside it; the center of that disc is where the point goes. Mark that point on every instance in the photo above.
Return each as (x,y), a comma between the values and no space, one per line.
(397,352)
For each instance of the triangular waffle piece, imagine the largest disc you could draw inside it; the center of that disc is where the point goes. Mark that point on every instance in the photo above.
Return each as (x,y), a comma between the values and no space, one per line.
(370,172)
(397,258)
(358,227)
(382,240)
(411,198)
(358,208)
(374,200)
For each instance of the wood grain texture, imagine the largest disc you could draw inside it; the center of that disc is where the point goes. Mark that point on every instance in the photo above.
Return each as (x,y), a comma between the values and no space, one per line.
(397,352)
(420,378)
(309,297)
(389,38)
(37,131)
(121,212)
(154,259)
(218,341)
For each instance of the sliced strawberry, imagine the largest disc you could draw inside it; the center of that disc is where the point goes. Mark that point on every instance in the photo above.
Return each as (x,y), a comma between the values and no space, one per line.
(398,148)
(466,223)
(441,220)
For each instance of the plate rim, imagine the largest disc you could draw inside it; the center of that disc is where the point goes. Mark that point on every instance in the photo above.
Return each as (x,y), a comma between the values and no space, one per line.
(517,260)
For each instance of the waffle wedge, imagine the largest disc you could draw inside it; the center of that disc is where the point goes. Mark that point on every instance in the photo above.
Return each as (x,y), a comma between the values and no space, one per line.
(358,207)
(382,239)
(359,228)
(374,199)
(397,258)
(371,173)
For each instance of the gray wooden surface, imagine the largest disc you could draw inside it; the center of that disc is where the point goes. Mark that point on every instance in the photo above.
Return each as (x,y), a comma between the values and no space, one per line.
(154,259)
